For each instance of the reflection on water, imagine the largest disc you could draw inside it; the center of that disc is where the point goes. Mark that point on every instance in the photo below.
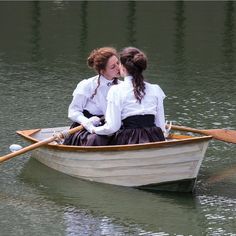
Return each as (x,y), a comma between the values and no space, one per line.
(36,35)
(131,21)
(118,205)
(179,45)
(98,208)
(228,45)
(216,219)
(43,51)
(83,36)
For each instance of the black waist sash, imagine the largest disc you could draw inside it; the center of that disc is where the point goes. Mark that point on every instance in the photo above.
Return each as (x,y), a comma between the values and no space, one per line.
(139,121)
(88,115)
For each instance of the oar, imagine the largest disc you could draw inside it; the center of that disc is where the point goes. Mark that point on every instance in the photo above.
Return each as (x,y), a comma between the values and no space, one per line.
(41,143)
(220,134)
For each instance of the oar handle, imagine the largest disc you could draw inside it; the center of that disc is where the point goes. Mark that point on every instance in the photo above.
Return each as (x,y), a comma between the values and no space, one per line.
(74,130)
(40,143)
(26,149)
(187,129)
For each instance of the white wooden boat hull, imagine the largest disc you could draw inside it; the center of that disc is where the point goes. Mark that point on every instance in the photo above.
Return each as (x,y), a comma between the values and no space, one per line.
(143,166)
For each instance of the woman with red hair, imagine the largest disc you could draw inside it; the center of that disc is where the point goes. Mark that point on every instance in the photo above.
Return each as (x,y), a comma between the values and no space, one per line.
(89,98)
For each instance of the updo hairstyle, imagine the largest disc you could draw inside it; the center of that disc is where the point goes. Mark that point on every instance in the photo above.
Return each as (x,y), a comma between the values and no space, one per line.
(135,62)
(99,57)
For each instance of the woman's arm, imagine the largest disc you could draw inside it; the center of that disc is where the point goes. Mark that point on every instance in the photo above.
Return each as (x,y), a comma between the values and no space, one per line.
(160,117)
(113,114)
(75,111)
(113,121)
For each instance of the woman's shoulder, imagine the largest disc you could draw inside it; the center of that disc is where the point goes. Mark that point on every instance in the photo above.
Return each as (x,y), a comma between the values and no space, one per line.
(152,86)
(89,82)
(156,89)
(85,86)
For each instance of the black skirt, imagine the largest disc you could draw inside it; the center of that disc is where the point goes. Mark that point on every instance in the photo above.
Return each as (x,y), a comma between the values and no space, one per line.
(138,129)
(84,138)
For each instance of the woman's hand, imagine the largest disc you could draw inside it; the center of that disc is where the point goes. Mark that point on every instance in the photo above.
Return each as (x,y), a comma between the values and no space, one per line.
(95,120)
(88,126)
(91,123)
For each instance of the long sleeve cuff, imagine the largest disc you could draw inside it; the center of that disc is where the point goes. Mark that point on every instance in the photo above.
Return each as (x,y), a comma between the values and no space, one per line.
(103,130)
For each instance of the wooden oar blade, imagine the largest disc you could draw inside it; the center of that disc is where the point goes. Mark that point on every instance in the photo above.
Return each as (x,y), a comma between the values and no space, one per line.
(222,134)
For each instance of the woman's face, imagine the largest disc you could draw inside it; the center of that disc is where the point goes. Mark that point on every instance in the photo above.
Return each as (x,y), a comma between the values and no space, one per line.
(112,69)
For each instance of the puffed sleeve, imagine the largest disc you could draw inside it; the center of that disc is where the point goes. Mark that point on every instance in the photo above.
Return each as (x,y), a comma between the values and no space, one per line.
(160,117)
(113,114)
(80,98)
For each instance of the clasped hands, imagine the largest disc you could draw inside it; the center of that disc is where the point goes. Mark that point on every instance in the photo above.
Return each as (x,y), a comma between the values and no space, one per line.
(91,123)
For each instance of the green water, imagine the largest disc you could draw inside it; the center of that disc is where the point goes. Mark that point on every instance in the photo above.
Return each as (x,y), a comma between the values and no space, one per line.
(191,48)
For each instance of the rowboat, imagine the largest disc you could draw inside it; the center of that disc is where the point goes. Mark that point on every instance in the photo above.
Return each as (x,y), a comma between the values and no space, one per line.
(171,165)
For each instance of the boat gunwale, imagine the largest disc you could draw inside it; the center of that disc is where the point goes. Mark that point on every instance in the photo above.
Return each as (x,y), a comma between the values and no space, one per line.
(161,144)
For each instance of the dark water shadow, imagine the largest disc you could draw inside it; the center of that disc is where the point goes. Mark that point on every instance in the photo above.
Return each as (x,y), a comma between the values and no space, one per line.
(83,32)
(131,23)
(170,212)
(228,43)
(35,41)
(179,43)
(221,183)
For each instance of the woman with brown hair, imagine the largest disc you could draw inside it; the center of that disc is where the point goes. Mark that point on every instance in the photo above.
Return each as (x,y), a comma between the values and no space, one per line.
(89,97)
(135,111)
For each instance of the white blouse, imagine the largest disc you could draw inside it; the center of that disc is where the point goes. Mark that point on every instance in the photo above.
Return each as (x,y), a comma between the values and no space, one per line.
(122,104)
(82,98)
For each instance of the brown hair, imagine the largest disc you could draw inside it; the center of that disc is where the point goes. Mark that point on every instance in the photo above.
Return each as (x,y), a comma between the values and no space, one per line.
(98,59)
(135,62)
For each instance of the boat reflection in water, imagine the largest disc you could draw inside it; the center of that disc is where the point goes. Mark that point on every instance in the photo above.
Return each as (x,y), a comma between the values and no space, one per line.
(113,208)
